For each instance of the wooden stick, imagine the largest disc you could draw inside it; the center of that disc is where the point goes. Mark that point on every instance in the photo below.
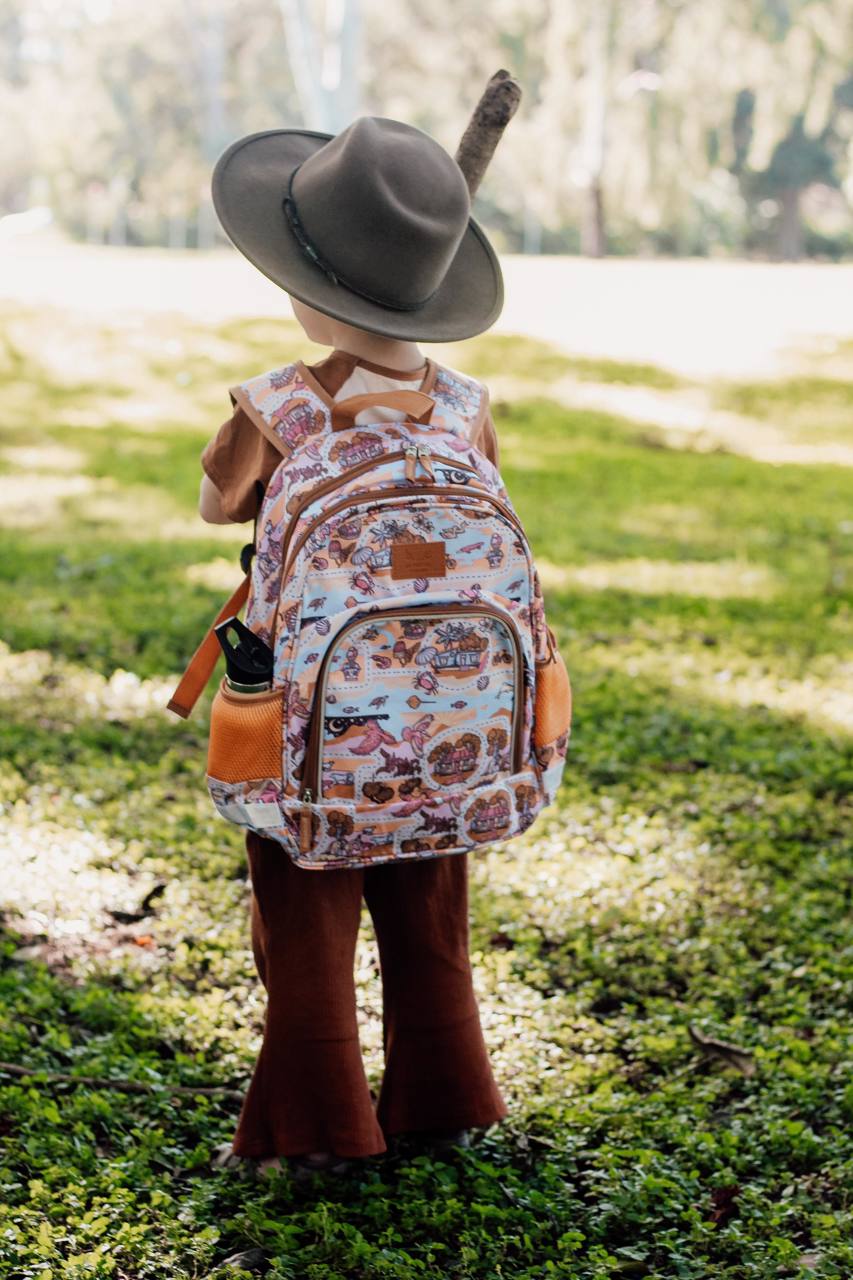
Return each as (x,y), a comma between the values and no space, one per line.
(127,1086)
(491,116)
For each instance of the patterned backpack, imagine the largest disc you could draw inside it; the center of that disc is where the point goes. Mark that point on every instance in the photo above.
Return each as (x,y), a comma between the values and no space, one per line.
(419,706)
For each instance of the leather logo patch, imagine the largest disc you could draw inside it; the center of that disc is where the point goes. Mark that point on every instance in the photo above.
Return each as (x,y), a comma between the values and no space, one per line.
(418,560)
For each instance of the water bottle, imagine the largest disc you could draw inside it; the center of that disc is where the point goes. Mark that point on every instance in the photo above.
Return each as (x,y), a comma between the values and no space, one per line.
(248,659)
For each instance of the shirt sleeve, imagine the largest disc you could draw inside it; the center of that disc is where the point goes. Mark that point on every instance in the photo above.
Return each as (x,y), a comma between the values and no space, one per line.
(240,461)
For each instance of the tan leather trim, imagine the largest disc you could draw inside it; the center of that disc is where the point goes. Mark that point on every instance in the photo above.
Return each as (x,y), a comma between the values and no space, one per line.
(414,403)
(430,376)
(310,381)
(481,413)
(239,397)
(552,716)
(200,667)
(418,560)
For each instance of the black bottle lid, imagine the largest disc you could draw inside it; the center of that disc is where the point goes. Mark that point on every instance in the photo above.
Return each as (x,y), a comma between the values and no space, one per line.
(248,659)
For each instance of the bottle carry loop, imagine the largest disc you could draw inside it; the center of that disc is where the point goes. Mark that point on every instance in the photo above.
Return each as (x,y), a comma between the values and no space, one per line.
(200,666)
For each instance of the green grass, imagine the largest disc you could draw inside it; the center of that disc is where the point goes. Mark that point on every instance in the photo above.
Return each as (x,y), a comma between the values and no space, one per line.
(809,407)
(695,872)
(506,355)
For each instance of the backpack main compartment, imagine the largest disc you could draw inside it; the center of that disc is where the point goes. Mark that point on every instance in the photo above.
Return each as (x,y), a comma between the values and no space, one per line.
(395,585)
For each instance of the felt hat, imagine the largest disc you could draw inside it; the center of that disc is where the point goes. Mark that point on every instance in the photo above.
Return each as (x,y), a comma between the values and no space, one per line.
(371,226)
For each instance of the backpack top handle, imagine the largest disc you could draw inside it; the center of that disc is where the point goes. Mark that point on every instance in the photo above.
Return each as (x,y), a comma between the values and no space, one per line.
(415,404)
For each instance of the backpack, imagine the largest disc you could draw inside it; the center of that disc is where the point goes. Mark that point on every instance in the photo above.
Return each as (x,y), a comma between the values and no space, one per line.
(419,706)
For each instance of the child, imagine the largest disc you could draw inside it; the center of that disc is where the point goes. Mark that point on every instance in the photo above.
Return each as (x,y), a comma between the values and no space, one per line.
(370,234)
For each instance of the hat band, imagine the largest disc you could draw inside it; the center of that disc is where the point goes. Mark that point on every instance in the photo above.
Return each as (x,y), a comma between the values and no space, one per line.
(311,251)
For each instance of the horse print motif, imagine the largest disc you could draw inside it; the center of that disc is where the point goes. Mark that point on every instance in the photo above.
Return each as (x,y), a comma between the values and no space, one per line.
(460,732)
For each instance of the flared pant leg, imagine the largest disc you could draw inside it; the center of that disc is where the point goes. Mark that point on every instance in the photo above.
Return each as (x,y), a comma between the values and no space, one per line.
(309,1090)
(437,1069)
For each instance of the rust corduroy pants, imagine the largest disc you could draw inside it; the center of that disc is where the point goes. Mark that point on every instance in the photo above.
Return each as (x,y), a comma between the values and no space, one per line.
(309,1091)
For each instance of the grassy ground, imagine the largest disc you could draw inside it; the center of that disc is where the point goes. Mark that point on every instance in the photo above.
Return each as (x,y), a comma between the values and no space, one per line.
(693,875)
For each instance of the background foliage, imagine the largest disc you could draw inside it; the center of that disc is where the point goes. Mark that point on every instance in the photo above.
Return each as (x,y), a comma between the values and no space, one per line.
(653,126)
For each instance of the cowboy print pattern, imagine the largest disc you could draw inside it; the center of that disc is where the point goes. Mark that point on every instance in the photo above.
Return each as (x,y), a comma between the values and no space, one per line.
(408,702)
(486,566)
(445,716)
(306,519)
(346,834)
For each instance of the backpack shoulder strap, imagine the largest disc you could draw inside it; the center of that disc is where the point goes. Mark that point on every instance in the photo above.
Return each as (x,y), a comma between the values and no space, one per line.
(284,406)
(287,410)
(461,401)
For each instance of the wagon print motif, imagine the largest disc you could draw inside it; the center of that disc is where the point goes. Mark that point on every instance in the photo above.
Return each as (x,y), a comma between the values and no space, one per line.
(395,585)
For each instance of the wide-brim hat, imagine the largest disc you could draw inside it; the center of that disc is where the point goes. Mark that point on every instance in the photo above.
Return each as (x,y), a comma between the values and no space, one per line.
(371,226)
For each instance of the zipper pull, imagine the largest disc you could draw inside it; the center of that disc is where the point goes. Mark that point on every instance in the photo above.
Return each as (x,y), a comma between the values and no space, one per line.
(411,452)
(306,825)
(423,453)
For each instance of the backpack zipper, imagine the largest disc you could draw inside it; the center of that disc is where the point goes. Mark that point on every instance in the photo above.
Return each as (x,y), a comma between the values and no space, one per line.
(412,454)
(418,453)
(312,776)
(375,496)
(306,825)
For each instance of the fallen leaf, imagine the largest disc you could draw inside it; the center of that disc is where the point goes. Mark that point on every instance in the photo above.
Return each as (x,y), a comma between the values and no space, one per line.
(732,1054)
(724,1200)
(682,766)
(153,893)
(501,939)
(248,1260)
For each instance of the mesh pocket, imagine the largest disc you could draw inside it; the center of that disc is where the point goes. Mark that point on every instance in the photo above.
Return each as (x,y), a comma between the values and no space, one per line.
(245,735)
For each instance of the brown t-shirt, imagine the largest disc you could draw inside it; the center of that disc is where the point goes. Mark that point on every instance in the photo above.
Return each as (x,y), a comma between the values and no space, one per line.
(240,460)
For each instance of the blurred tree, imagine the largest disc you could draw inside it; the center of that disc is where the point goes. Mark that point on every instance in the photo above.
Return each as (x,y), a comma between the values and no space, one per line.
(791,122)
(324,57)
(647,125)
(797,162)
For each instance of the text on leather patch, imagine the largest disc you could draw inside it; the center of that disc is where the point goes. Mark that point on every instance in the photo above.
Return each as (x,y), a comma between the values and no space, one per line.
(418,560)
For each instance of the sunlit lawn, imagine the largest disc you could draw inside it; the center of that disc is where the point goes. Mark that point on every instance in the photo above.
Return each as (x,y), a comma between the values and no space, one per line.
(694,874)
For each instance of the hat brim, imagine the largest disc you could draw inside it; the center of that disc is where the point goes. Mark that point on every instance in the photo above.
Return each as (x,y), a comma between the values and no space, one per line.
(249,183)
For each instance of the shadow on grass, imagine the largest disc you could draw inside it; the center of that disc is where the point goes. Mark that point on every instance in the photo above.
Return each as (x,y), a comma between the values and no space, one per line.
(692,873)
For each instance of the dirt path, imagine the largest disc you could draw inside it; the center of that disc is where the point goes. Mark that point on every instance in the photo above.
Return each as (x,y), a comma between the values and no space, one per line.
(701,319)
(686,419)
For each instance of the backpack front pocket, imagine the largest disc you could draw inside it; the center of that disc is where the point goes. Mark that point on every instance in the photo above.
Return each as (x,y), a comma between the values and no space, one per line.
(413,701)
(245,735)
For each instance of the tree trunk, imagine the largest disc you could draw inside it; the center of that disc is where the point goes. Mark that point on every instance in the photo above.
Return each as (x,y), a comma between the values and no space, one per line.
(790,241)
(339,76)
(594,228)
(598,53)
(304,58)
(325,64)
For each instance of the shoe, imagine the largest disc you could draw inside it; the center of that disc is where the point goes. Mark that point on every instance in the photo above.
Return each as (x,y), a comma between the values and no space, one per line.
(301,1167)
(224,1158)
(305,1167)
(444,1139)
